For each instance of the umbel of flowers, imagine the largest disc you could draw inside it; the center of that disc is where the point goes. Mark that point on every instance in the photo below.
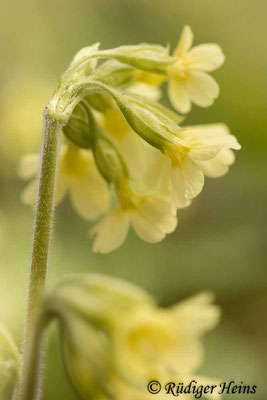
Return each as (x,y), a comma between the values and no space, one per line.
(125,160)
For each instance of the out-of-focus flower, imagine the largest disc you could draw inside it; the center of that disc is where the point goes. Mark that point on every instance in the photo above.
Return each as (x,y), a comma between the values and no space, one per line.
(9,364)
(189,81)
(203,150)
(116,339)
(149,213)
(77,175)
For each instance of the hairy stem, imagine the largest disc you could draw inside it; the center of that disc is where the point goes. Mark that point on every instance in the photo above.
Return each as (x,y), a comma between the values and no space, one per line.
(29,387)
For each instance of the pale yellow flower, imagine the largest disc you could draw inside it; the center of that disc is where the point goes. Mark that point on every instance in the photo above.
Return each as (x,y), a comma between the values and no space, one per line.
(77,175)
(149,213)
(155,342)
(116,339)
(189,81)
(203,150)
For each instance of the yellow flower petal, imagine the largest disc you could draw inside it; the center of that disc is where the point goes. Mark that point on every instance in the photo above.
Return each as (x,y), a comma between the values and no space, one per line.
(90,194)
(197,314)
(202,88)
(193,178)
(185,42)
(144,90)
(208,140)
(179,96)
(219,165)
(206,57)
(154,219)
(111,231)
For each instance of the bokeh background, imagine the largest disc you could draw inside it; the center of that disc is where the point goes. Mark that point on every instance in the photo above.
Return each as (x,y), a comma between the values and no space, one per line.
(220,243)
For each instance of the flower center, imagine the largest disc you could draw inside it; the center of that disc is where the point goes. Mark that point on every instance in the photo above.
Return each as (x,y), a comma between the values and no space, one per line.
(179,70)
(178,154)
(128,199)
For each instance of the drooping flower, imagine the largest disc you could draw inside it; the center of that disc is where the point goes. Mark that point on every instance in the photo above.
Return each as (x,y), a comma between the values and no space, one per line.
(77,175)
(149,213)
(116,339)
(189,81)
(203,150)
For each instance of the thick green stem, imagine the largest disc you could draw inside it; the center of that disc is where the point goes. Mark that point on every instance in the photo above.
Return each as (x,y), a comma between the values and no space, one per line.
(30,378)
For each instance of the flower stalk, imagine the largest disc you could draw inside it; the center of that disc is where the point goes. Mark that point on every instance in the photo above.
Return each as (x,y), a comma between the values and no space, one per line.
(38,270)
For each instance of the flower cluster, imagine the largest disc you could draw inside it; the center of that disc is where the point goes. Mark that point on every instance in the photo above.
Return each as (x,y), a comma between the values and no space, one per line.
(115,339)
(126,158)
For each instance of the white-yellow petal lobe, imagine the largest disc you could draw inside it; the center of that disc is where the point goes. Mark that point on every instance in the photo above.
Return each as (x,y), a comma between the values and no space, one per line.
(209,140)
(219,165)
(179,96)
(202,88)
(89,194)
(154,219)
(111,231)
(193,178)
(198,314)
(150,92)
(185,42)
(206,57)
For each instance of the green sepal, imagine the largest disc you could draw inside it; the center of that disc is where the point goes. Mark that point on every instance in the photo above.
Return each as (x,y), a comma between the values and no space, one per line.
(77,130)
(100,101)
(151,121)
(114,73)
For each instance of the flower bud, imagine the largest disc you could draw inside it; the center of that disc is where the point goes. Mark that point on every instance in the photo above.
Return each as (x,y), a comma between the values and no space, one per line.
(153,122)
(152,58)
(114,73)
(77,130)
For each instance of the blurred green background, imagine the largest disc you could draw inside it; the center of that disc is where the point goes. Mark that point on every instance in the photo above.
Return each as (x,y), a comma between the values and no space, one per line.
(220,243)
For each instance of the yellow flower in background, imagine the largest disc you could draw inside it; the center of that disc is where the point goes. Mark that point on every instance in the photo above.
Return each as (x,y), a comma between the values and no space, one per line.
(9,364)
(155,342)
(116,339)
(203,150)
(188,78)
(149,213)
(77,175)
